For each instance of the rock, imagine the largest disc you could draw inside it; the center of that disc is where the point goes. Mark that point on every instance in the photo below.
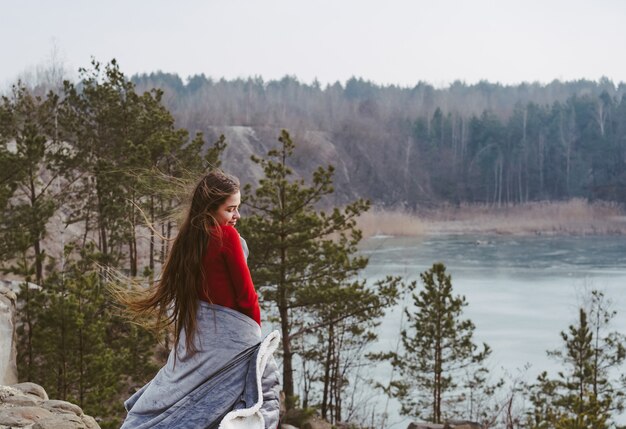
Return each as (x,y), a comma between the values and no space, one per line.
(64,421)
(8,351)
(31,389)
(26,405)
(21,401)
(10,420)
(90,422)
(425,426)
(62,407)
(6,391)
(21,416)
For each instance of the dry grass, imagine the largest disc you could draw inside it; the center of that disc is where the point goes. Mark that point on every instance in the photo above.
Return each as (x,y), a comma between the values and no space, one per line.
(384,222)
(576,216)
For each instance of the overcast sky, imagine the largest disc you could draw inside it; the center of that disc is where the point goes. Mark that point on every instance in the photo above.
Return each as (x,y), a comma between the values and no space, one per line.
(388,42)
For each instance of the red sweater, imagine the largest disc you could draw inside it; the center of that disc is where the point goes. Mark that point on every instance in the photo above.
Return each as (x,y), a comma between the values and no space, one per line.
(227,277)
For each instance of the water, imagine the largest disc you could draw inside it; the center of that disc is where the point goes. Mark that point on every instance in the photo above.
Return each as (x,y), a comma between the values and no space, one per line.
(521,291)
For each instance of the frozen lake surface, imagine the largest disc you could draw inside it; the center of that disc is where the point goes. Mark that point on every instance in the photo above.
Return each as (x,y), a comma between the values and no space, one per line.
(521,291)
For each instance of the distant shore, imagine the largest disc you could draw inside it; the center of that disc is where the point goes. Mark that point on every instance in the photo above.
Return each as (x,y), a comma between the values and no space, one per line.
(573,217)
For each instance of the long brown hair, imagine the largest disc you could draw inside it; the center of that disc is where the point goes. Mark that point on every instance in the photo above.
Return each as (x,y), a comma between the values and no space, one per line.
(174,299)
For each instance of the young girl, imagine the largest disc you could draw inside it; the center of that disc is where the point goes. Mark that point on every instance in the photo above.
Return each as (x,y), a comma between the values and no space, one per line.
(219,372)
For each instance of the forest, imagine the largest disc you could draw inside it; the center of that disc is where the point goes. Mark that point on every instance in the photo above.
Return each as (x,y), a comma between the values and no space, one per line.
(94,176)
(419,147)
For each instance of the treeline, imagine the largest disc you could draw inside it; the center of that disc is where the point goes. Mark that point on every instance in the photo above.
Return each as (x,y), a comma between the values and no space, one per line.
(419,146)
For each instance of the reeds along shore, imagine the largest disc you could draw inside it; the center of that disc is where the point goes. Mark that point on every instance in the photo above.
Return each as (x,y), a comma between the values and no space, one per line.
(573,217)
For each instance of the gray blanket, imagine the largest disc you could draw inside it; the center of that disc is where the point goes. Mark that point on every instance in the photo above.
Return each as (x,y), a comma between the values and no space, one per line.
(232,382)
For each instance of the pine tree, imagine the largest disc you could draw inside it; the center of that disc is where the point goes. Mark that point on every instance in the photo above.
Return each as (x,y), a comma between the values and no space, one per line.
(114,133)
(37,162)
(124,142)
(34,162)
(543,413)
(296,248)
(161,188)
(584,394)
(10,176)
(83,158)
(438,350)
(347,319)
(79,351)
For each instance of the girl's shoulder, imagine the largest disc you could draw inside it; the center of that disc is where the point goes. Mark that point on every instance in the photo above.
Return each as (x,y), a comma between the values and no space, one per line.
(229,230)
(227,233)
(223,239)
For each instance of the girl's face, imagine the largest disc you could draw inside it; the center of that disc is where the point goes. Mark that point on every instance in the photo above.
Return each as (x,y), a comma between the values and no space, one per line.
(228,212)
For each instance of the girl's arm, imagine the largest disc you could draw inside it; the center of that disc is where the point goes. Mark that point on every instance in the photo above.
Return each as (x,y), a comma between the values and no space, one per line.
(245,295)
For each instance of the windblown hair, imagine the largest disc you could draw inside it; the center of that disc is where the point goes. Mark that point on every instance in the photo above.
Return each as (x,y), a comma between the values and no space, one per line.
(174,299)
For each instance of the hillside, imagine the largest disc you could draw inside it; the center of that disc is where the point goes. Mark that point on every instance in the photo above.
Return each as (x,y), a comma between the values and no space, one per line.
(420,147)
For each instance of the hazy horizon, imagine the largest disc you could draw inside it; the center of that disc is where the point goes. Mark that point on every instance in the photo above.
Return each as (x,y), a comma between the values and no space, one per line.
(72,74)
(401,43)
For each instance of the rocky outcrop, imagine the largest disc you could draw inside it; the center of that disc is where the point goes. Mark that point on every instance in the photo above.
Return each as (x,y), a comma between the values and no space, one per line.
(425,426)
(313,148)
(26,405)
(8,354)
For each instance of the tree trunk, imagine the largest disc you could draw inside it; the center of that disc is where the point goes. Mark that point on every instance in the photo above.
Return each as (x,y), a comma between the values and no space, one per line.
(81,384)
(519,183)
(283,310)
(287,357)
(35,233)
(327,364)
(132,240)
(437,387)
(151,252)
(334,374)
(168,237)
(102,230)
(541,166)
(38,262)
(338,384)
(62,367)
(525,146)
(307,380)
(103,239)
(29,326)
(601,116)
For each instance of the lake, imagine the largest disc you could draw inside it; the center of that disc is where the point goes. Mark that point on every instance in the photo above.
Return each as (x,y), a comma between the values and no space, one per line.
(522,291)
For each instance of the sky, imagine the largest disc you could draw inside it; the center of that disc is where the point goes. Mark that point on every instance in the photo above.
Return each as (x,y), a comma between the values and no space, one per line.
(386,42)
